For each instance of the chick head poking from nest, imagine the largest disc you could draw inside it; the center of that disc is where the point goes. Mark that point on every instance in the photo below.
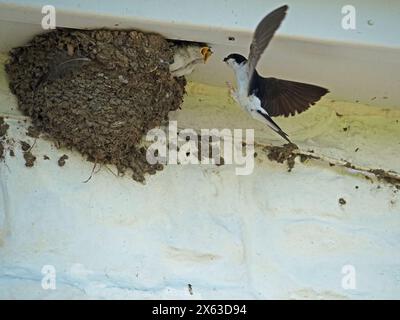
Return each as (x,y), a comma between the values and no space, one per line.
(187,55)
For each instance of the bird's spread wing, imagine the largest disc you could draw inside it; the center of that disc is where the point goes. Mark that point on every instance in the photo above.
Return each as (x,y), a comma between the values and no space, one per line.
(284,98)
(263,35)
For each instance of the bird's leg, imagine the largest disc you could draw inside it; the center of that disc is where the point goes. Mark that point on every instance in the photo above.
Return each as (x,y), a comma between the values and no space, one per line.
(232,91)
(230,87)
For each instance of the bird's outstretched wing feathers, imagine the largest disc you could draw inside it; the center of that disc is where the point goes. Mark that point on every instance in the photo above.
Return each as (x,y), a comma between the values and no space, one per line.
(263,35)
(284,98)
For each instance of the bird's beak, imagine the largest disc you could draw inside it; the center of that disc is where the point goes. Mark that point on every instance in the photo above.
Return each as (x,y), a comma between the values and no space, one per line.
(206,52)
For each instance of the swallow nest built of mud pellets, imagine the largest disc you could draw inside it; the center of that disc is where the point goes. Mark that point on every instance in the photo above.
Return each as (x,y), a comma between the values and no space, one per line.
(97,91)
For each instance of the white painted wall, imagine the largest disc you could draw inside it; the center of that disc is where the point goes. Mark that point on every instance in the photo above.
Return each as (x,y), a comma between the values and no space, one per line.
(272,234)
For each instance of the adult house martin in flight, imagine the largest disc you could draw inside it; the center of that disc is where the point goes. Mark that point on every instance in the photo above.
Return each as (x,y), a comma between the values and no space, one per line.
(263,98)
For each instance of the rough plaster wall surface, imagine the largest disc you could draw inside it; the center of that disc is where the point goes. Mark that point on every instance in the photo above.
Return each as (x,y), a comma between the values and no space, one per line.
(272,234)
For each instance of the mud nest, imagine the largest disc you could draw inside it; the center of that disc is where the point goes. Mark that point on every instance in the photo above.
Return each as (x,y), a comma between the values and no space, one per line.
(98,91)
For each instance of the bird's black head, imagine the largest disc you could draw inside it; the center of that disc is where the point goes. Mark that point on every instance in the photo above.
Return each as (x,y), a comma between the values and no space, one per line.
(238,58)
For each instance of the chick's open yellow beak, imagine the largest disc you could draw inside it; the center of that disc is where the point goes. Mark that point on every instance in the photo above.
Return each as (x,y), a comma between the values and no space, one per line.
(206,52)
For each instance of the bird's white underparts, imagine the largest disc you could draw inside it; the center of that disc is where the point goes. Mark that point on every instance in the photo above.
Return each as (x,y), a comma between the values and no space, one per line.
(250,103)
